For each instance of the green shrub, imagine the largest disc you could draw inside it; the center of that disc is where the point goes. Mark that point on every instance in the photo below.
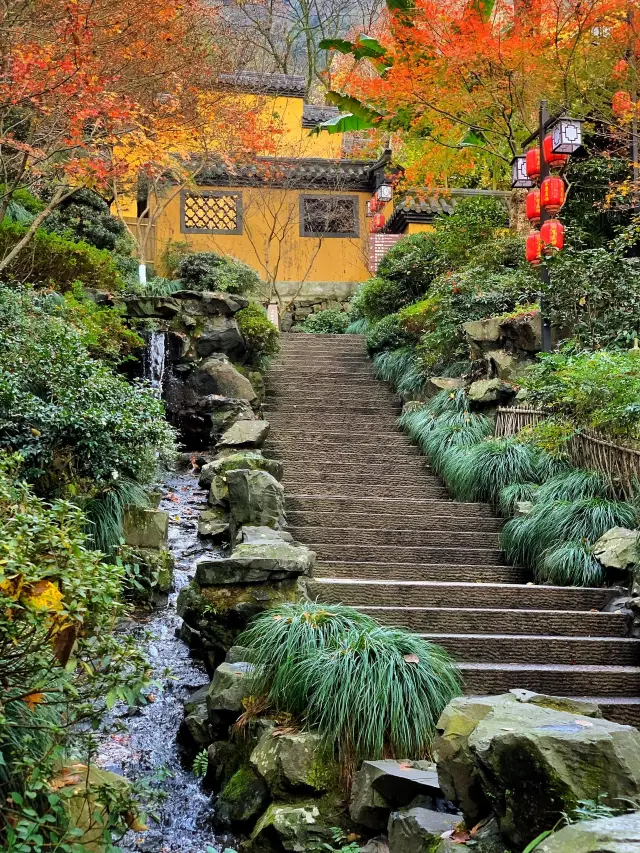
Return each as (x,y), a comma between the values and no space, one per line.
(380,297)
(571,564)
(418,318)
(86,216)
(155,286)
(332,321)
(22,207)
(50,260)
(514,493)
(596,389)
(210,271)
(62,662)
(386,334)
(475,220)
(79,426)
(284,636)
(413,262)
(260,335)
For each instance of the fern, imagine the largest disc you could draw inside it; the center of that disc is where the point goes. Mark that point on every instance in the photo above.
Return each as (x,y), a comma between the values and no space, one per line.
(201,764)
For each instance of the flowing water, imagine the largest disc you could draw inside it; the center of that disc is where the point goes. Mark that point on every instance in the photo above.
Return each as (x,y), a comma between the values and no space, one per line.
(147,748)
(154,360)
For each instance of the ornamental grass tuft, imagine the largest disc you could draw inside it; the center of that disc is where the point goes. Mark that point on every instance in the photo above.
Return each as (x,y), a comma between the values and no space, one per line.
(575,484)
(571,564)
(514,493)
(399,368)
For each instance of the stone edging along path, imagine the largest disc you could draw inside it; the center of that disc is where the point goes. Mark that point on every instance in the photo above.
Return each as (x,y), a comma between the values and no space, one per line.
(391,542)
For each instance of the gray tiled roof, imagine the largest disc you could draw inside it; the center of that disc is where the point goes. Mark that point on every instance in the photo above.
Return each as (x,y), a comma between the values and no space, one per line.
(313,115)
(258,83)
(424,208)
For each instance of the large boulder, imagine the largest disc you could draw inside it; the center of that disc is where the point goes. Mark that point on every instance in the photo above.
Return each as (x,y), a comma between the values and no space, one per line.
(218,376)
(255,563)
(490,391)
(537,763)
(435,384)
(255,497)
(242,800)
(145,528)
(418,829)
(230,684)
(295,763)
(245,434)
(295,828)
(252,460)
(213,524)
(604,835)
(618,548)
(220,335)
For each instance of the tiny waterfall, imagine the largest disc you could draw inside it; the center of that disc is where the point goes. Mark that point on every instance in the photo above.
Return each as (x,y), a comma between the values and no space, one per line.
(155,360)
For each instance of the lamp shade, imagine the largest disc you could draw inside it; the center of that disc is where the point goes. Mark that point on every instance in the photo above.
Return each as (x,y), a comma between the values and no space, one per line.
(533,207)
(554,160)
(552,236)
(533,163)
(552,194)
(567,135)
(534,248)
(384,193)
(519,178)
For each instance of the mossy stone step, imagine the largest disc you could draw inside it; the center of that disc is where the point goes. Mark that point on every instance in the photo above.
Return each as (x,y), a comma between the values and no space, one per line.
(366,490)
(336,572)
(310,518)
(409,554)
(396,536)
(386,503)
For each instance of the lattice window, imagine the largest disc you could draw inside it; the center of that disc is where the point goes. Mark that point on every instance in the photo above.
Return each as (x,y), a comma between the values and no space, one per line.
(212,213)
(329,216)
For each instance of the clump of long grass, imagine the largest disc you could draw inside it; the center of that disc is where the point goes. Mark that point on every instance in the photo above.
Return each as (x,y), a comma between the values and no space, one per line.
(453,432)
(400,369)
(571,564)
(285,635)
(514,493)
(358,327)
(489,466)
(105,513)
(378,692)
(575,484)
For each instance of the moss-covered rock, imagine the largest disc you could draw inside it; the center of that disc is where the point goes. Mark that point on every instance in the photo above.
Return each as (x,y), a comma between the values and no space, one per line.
(230,684)
(255,497)
(419,830)
(145,528)
(251,460)
(247,434)
(605,835)
(242,799)
(214,524)
(270,559)
(294,763)
(296,827)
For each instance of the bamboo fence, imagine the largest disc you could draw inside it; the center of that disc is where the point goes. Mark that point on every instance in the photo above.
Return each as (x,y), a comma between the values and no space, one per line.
(586,449)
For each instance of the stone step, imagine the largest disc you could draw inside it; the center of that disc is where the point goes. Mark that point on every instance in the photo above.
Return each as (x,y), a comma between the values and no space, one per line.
(311,518)
(417,477)
(404,466)
(311,421)
(297,365)
(555,679)
(319,435)
(331,455)
(288,397)
(341,572)
(290,409)
(397,537)
(320,373)
(364,490)
(358,503)
(407,554)
(392,598)
(620,709)
(486,620)
(514,648)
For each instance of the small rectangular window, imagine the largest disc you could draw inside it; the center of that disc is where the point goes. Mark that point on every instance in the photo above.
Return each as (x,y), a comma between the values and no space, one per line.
(211,213)
(329,216)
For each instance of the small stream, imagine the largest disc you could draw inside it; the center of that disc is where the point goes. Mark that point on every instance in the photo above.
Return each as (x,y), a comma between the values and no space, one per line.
(147,748)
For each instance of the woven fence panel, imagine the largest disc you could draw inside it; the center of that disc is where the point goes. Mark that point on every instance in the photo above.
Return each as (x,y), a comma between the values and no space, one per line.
(586,449)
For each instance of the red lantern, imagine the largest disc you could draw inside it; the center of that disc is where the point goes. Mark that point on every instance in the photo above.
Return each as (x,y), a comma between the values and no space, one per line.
(552,194)
(621,104)
(555,161)
(373,204)
(533,162)
(534,248)
(379,221)
(552,236)
(533,206)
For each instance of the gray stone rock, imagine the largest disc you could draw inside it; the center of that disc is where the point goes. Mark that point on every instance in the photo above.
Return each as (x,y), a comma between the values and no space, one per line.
(146,528)
(580,707)
(220,334)
(618,548)
(382,785)
(223,412)
(228,461)
(242,800)
(213,524)
(297,828)
(537,763)
(523,332)
(255,564)
(238,654)
(245,434)
(435,384)
(218,376)
(197,699)
(219,493)
(224,304)
(196,729)
(490,391)
(418,830)
(605,835)
(231,682)
(523,508)
(261,535)
(293,763)
(506,365)
(367,807)
(483,331)
(255,497)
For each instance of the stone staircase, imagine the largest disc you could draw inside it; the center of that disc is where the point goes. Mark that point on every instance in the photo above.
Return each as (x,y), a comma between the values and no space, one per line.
(391,542)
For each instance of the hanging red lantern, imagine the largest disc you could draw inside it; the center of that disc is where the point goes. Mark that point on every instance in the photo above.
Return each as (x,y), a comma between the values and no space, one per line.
(373,204)
(621,103)
(533,206)
(552,236)
(534,248)
(555,161)
(533,162)
(552,194)
(379,221)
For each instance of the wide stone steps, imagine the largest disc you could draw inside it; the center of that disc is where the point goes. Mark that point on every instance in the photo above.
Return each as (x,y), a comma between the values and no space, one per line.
(514,648)
(397,537)
(333,571)
(331,520)
(418,594)
(391,542)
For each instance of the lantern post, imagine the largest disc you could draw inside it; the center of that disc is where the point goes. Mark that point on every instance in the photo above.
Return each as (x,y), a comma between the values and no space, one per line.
(544,216)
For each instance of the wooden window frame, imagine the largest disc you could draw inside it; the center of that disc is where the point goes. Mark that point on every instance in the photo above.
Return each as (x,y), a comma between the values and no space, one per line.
(355,202)
(211,194)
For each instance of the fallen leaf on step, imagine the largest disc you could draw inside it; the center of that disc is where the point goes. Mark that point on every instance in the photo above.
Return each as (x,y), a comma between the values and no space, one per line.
(585,723)
(411,658)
